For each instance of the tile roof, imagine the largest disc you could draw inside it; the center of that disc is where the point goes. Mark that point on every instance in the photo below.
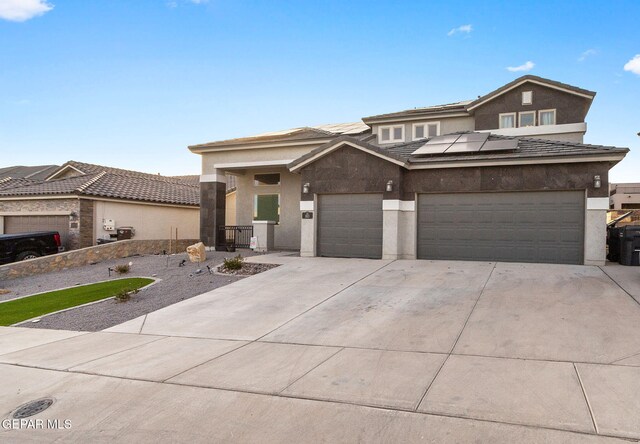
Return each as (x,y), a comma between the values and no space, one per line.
(39,172)
(426,110)
(527,148)
(113,183)
(294,134)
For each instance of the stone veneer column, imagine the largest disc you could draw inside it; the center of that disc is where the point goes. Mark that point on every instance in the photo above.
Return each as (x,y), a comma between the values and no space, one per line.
(595,231)
(213,193)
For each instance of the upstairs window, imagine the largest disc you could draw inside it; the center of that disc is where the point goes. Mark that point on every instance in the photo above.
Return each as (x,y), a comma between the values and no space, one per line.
(392,133)
(547,117)
(507,120)
(266,179)
(527,97)
(426,130)
(527,118)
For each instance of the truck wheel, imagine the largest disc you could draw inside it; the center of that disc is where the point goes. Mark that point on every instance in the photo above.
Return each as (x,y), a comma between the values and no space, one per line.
(27,255)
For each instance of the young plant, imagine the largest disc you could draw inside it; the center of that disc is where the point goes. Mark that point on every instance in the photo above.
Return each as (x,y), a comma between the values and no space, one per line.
(125,295)
(234,263)
(122,268)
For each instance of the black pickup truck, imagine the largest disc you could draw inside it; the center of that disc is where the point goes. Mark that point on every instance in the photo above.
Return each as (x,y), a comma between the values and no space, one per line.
(22,246)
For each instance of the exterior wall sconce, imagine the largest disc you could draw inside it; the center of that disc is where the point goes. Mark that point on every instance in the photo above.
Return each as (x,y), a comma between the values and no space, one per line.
(305,188)
(390,186)
(597,182)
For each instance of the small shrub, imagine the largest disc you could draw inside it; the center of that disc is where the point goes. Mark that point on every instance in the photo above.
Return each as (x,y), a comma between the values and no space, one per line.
(234,263)
(125,295)
(122,268)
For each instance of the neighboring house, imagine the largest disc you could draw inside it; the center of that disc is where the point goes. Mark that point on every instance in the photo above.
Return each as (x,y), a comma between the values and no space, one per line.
(85,202)
(504,177)
(624,196)
(33,173)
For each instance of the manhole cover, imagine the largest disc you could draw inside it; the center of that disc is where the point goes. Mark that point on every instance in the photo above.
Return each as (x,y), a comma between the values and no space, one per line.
(32,408)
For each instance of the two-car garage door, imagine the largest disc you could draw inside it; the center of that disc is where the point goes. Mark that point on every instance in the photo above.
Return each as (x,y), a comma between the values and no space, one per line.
(545,227)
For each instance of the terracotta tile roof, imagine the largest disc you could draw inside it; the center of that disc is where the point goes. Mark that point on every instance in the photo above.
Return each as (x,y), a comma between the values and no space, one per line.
(113,183)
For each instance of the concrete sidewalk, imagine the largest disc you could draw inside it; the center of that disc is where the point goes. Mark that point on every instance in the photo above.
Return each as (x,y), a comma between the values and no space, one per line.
(341,350)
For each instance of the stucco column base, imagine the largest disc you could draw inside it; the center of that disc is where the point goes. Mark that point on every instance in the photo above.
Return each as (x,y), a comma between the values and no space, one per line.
(263,231)
(595,231)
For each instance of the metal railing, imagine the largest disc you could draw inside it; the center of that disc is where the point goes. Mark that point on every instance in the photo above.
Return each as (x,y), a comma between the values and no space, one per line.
(234,236)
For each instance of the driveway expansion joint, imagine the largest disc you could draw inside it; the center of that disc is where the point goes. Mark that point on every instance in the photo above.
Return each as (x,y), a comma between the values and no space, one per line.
(586,398)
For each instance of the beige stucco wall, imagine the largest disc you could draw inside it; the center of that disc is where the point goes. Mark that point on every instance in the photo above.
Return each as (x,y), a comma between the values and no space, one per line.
(230,209)
(287,232)
(150,221)
(447,125)
(210,160)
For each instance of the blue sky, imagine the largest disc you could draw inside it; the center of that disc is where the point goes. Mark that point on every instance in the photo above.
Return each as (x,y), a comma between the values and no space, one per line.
(131,83)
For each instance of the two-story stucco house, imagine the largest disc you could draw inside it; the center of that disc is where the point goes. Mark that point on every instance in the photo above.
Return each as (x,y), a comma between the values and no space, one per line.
(503,177)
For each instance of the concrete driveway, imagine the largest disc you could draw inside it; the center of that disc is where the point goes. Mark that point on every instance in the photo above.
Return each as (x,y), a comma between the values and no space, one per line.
(338,350)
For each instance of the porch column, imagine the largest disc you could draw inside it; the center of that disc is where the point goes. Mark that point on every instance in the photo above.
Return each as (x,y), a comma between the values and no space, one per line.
(308,228)
(398,229)
(213,193)
(595,233)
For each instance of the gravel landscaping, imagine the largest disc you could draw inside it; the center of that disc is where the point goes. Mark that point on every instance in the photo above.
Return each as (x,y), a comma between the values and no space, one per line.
(176,284)
(248,269)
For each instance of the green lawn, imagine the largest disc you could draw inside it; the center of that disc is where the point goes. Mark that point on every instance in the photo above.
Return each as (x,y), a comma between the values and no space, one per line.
(18,310)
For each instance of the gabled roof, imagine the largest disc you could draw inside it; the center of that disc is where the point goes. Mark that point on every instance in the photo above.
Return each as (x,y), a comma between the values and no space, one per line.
(302,134)
(532,79)
(468,105)
(39,172)
(340,142)
(115,183)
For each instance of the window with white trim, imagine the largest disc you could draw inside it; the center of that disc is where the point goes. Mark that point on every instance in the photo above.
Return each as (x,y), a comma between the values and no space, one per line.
(527,97)
(547,117)
(391,133)
(507,120)
(527,118)
(426,130)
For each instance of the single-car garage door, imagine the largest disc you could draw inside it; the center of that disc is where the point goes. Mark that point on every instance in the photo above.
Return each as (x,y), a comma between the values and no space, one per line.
(545,227)
(350,225)
(25,224)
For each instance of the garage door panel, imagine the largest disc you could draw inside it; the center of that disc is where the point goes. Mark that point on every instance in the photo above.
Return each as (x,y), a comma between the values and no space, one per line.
(26,224)
(350,225)
(519,227)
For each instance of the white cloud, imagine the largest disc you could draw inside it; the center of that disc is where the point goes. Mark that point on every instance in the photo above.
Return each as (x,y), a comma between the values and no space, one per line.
(633,65)
(463,28)
(22,10)
(524,67)
(587,53)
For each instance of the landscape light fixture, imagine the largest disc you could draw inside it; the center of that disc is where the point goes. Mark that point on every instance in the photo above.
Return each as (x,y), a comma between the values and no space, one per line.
(597,182)
(390,186)
(305,188)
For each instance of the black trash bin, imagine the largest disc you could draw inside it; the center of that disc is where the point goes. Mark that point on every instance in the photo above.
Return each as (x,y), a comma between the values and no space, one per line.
(613,242)
(629,245)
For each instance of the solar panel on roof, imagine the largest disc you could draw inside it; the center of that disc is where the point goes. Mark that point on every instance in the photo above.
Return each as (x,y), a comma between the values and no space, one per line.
(465,143)
(465,147)
(433,148)
(500,145)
